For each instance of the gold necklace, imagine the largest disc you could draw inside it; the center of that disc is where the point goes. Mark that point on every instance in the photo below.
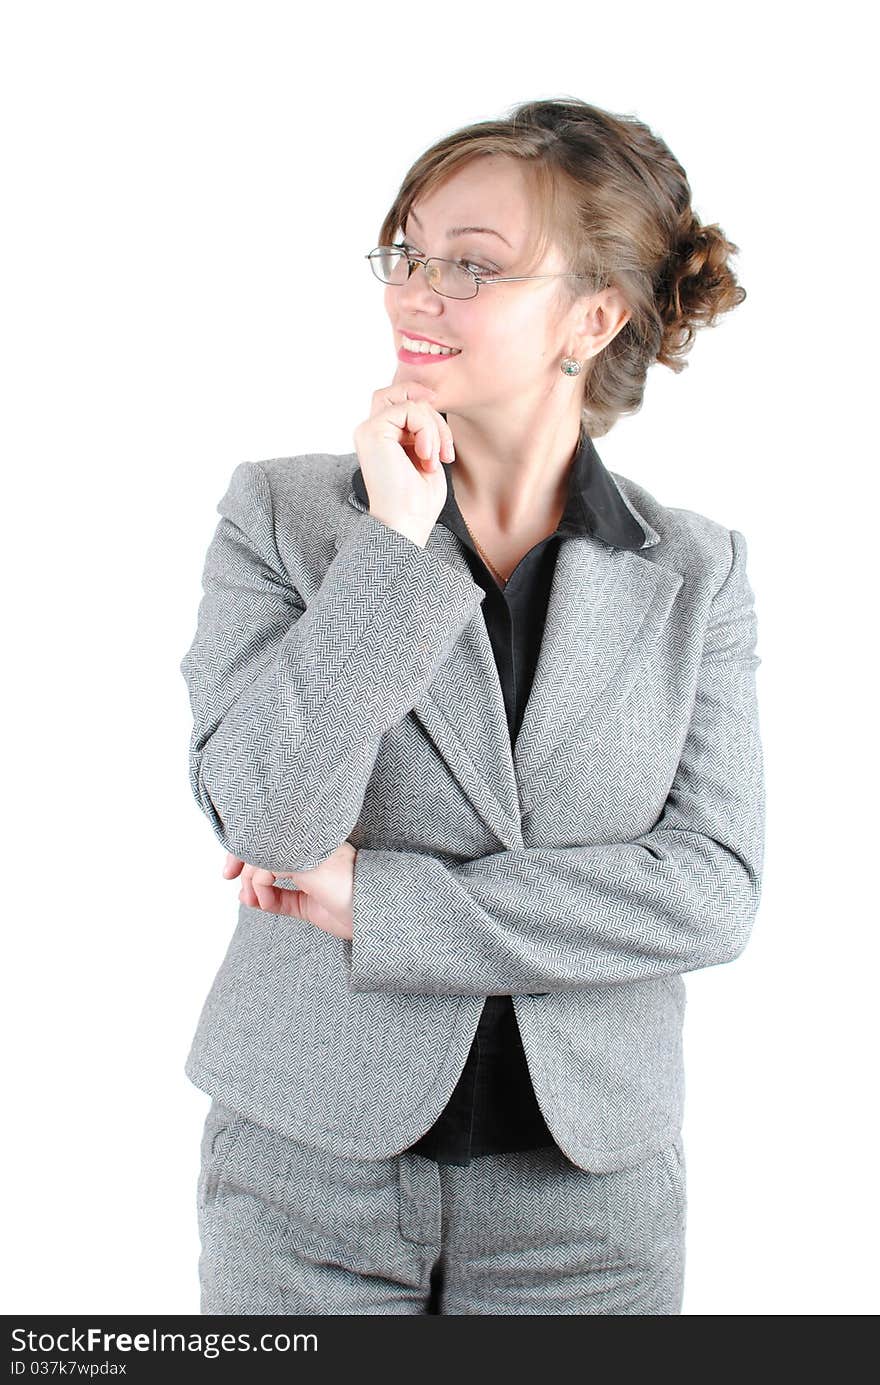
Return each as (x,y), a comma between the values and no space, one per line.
(502,581)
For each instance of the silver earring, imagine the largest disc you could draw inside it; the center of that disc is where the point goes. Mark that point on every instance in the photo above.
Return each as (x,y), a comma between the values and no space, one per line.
(569,366)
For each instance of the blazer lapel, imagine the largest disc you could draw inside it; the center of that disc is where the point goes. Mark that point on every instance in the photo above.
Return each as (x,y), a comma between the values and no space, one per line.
(607,607)
(463,710)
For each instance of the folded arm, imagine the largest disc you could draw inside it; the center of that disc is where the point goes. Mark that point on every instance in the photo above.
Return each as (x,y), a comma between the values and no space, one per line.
(528,920)
(290,699)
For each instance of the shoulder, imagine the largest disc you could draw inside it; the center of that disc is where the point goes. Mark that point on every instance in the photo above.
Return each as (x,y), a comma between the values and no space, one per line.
(302,486)
(691,543)
(292,505)
(301,494)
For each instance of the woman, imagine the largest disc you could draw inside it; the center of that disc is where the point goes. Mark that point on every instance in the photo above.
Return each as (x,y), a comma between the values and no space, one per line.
(475,720)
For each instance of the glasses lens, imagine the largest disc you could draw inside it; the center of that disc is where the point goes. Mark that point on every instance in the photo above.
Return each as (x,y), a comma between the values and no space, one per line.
(444,276)
(389,265)
(451,280)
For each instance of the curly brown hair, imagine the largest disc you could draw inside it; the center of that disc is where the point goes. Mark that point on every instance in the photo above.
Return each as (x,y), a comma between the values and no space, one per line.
(612,196)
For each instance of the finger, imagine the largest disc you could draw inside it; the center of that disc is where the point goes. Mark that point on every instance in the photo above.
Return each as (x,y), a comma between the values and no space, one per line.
(232,866)
(411,429)
(428,435)
(426,432)
(289,900)
(246,894)
(398,392)
(292,903)
(417,425)
(435,443)
(416,441)
(267,895)
(262,883)
(442,444)
(410,415)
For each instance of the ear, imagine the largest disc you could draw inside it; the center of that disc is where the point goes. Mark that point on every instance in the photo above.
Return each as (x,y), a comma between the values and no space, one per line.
(599,320)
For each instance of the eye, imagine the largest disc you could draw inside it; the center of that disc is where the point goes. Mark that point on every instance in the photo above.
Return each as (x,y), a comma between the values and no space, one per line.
(484,271)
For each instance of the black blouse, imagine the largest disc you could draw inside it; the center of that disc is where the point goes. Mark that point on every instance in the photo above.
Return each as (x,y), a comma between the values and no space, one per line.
(493,1107)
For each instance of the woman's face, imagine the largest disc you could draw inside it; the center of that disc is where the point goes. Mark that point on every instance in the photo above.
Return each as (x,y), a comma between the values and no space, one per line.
(511,336)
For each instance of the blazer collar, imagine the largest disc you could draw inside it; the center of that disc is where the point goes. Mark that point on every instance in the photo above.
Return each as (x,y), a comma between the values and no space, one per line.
(609,606)
(595,504)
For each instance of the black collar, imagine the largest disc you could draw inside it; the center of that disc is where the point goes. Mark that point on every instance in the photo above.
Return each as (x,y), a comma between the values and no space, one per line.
(594,505)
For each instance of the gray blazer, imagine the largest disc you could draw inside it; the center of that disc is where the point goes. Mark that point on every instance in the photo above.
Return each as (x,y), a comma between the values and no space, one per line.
(343,686)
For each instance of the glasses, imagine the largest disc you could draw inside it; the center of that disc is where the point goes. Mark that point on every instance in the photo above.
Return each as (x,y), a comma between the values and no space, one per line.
(392,264)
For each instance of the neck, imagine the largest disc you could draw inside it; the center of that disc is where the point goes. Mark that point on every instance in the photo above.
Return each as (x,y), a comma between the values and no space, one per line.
(515,476)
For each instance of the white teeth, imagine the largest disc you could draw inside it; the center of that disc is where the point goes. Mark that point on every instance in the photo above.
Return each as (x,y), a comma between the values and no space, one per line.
(427,348)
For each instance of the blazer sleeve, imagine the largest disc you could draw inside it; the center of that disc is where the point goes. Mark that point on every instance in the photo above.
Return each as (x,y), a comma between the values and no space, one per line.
(290,698)
(533,920)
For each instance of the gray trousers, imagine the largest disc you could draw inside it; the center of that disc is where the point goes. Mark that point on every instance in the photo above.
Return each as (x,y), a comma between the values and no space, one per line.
(287,1229)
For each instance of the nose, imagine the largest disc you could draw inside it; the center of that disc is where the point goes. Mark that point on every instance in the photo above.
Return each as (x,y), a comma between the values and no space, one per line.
(418,290)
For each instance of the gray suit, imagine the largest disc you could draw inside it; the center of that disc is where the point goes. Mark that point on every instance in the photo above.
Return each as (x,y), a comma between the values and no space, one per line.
(343,686)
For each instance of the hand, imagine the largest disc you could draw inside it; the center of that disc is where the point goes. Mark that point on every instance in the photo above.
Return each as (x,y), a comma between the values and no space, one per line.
(324,895)
(399,448)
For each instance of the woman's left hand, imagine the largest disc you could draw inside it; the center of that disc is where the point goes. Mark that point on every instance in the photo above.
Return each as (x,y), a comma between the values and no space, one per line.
(324,895)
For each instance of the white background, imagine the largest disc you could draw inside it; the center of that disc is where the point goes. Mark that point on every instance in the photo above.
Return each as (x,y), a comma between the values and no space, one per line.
(168,171)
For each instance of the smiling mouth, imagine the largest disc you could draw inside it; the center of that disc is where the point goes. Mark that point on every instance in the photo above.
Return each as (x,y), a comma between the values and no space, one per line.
(431,355)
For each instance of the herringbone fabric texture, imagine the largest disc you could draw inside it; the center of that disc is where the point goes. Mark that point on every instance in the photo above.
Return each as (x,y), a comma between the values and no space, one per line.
(343,685)
(288,1229)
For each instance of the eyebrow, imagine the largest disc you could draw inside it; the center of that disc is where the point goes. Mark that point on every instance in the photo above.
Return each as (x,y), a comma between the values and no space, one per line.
(466,230)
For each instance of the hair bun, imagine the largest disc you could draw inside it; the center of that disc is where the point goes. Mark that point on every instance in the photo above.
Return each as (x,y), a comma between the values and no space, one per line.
(696,287)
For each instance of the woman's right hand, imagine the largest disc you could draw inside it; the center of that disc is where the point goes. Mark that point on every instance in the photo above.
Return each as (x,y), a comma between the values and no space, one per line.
(400,447)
